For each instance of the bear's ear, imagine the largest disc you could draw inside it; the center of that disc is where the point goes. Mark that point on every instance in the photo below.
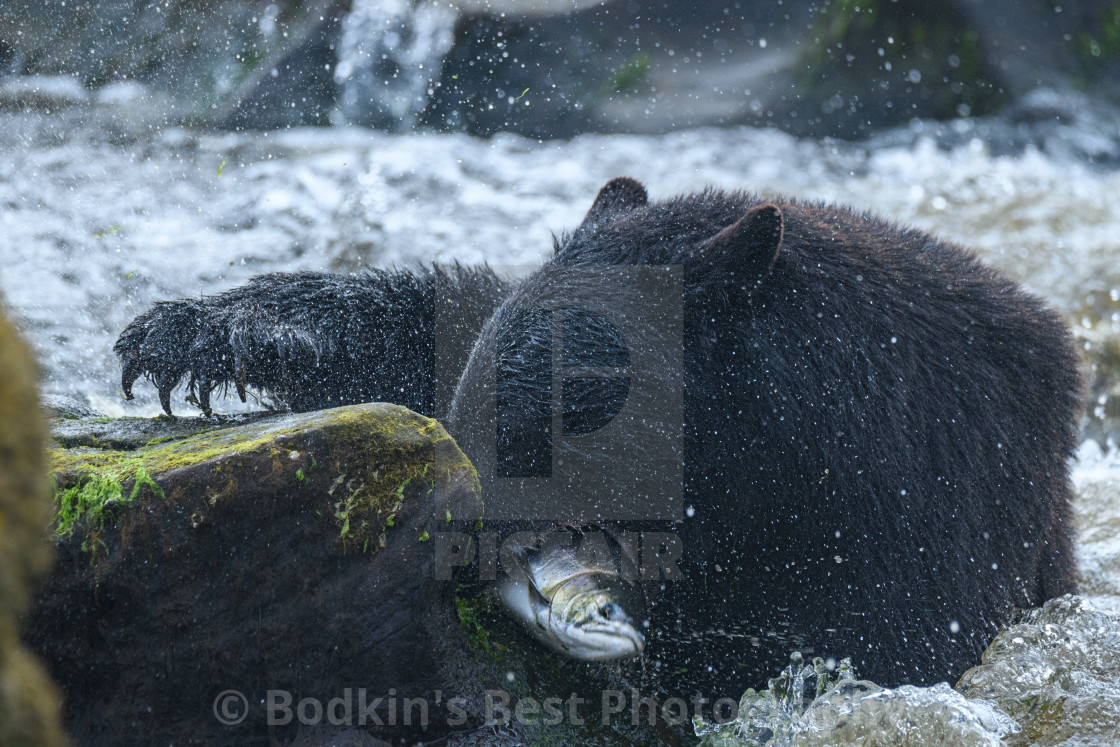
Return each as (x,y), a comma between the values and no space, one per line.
(618,195)
(749,246)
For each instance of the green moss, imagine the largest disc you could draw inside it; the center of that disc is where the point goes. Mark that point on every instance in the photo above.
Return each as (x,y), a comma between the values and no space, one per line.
(388,449)
(164,457)
(162,440)
(142,479)
(93,498)
(472,626)
(359,517)
(844,17)
(88,500)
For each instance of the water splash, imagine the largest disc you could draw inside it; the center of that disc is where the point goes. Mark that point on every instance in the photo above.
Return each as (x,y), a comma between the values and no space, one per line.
(1051,678)
(806,706)
(389,58)
(771,714)
(1057,672)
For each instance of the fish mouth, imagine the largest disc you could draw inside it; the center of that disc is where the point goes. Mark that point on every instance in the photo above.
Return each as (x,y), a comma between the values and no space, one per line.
(576,609)
(598,642)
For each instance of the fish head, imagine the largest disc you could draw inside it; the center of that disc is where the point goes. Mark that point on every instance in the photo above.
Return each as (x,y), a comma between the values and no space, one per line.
(597,617)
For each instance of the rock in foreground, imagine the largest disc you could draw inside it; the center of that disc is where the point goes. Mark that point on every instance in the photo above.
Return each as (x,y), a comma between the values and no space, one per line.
(28,700)
(274,582)
(286,555)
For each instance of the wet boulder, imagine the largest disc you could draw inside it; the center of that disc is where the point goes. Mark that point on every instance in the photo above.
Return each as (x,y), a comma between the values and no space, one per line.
(287,554)
(274,581)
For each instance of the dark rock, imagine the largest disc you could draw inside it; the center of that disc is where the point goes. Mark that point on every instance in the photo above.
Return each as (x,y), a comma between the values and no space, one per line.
(618,66)
(295,88)
(60,406)
(868,65)
(841,68)
(214,59)
(877,64)
(526,76)
(128,434)
(288,557)
(287,554)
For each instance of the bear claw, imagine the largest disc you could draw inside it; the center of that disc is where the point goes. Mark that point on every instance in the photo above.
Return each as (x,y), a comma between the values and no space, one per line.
(165,388)
(242,378)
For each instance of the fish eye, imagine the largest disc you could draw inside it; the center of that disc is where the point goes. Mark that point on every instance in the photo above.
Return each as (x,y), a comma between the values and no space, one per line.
(607,610)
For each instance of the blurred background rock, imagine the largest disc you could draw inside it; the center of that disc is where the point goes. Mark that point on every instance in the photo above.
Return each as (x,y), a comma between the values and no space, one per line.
(555,68)
(29,701)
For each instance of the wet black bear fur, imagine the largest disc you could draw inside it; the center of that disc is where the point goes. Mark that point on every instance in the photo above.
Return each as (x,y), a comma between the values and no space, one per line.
(876,426)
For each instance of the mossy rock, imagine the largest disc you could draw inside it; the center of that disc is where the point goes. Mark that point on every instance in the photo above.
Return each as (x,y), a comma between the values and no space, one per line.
(292,554)
(287,555)
(358,463)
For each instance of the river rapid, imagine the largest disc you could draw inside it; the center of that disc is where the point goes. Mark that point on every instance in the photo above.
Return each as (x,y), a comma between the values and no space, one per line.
(104,211)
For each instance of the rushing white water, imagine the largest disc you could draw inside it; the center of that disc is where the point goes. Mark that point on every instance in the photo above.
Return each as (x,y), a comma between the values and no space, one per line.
(99,219)
(807,707)
(95,228)
(1051,678)
(388,55)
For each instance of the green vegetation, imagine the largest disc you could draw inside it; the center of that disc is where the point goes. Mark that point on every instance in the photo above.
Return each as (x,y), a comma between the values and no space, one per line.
(371,459)
(92,500)
(470,623)
(630,75)
(141,480)
(1101,44)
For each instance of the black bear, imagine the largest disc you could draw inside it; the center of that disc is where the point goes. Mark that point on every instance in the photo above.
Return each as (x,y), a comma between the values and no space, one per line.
(874,427)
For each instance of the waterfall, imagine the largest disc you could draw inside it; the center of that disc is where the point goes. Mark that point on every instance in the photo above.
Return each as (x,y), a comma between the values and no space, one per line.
(389,55)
